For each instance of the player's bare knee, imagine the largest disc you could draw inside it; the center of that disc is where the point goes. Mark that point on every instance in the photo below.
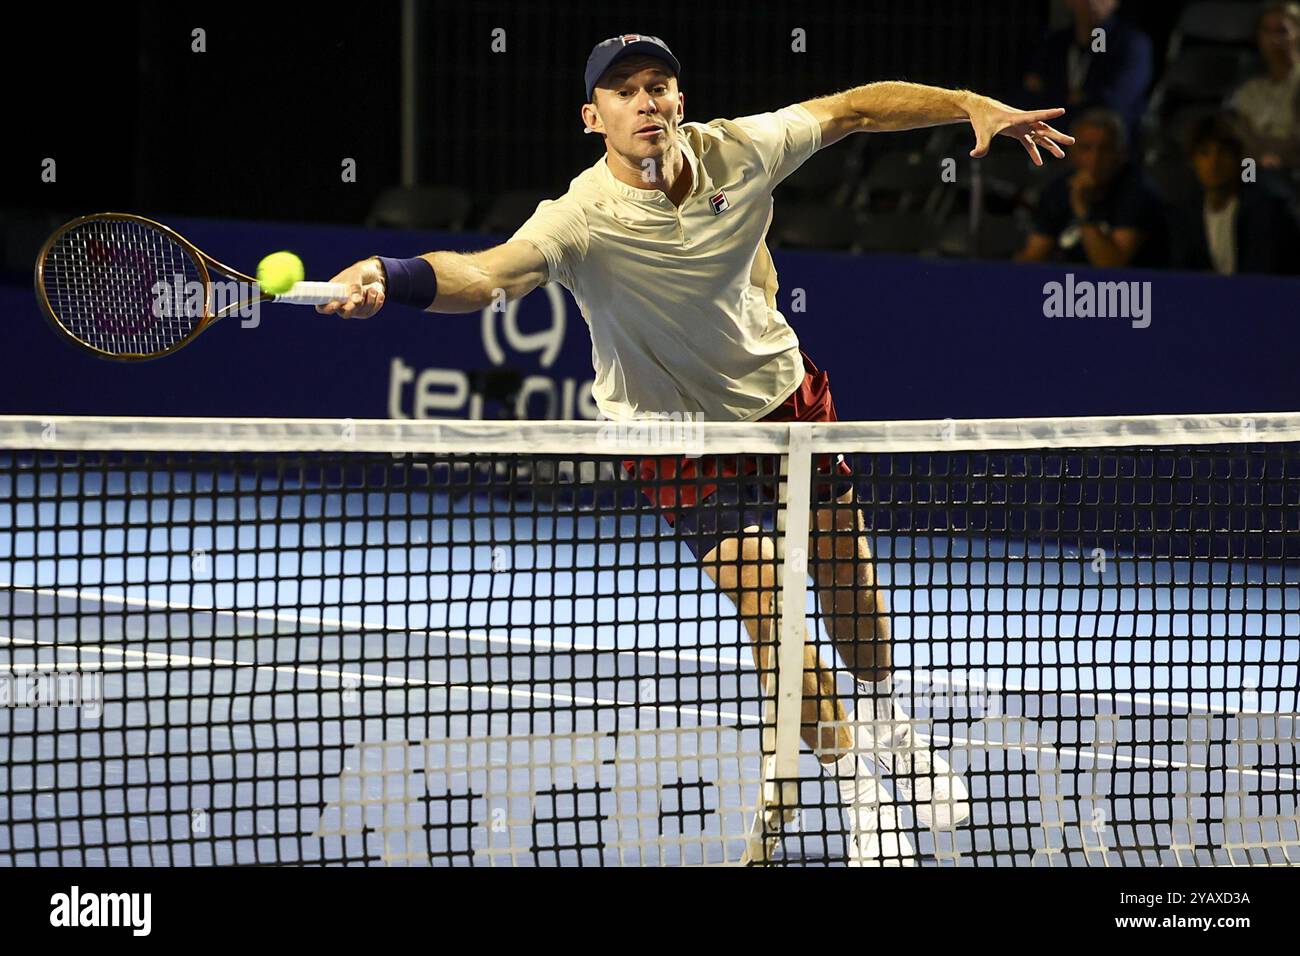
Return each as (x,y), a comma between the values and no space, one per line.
(742,563)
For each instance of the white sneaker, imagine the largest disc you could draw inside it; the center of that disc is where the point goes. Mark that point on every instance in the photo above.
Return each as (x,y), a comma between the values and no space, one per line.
(875,838)
(921,776)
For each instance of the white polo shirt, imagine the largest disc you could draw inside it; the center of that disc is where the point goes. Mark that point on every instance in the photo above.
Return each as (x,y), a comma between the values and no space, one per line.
(1270,107)
(681,301)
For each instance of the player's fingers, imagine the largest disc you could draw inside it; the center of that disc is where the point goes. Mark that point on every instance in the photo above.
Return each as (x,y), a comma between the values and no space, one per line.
(1040,116)
(1032,149)
(371,303)
(347,278)
(1038,133)
(356,300)
(981,144)
(1051,147)
(1055,134)
(348,307)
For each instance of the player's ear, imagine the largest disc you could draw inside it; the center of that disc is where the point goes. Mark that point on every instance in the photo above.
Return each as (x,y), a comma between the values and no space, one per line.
(591,119)
(681,105)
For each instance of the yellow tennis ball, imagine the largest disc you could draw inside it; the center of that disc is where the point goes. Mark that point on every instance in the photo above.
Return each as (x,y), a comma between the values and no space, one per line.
(277,273)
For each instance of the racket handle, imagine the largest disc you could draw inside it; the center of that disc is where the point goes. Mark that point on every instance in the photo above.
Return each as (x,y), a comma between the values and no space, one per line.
(313,293)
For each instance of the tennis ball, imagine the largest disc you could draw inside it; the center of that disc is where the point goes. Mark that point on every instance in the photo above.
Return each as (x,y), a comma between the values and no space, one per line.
(277,273)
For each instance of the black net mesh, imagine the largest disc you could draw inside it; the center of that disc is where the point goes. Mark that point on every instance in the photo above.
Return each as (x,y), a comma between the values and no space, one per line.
(357,658)
(1048,657)
(1102,645)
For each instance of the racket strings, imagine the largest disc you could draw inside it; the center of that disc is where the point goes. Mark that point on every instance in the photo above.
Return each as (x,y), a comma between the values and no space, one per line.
(123,287)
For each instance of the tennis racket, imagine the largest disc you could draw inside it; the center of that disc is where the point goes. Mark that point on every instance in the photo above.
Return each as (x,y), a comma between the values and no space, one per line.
(128,288)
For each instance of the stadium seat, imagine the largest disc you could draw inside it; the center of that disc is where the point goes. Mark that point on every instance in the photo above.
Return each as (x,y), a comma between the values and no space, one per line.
(799,225)
(900,232)
(1214,22)
(420,207)
(829,176)
(1011,173)
(511,210)
(1000,237)
(901,181)
(1201,75)
(1009,182)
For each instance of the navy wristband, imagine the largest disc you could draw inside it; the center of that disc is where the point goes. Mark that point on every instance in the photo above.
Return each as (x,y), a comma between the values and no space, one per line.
(409,281)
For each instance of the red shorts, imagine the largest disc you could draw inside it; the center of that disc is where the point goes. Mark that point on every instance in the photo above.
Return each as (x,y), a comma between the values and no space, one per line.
(681,487)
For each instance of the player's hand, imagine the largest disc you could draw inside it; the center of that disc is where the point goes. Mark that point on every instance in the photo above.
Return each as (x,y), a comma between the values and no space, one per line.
(990,118)
(365,282)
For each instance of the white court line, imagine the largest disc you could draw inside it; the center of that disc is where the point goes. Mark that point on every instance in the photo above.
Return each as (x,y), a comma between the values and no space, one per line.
(1115,759)
(486,637)
(135,659)
(673,655)
(139,660)
(1168,703)
(154,659)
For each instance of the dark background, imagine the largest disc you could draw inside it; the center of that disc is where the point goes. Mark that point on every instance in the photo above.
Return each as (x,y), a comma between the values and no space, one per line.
(255,129)
(258,125)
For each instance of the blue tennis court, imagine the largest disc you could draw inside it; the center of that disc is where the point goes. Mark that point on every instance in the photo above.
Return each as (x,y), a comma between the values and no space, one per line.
(403,678)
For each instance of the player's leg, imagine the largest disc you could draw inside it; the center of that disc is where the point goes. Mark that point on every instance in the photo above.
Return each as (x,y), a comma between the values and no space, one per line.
(856,616)
(857,620)
(744,568)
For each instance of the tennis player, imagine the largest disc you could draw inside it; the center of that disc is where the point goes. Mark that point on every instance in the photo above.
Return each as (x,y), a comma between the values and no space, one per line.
(662,243)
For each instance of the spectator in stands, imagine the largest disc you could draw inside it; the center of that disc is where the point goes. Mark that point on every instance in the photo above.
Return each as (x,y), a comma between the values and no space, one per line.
(1067,70)
(1104,213)
(1269,104)
(1234,226)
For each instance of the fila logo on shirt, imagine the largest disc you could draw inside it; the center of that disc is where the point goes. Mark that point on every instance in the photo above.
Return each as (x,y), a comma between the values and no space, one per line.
(719,202)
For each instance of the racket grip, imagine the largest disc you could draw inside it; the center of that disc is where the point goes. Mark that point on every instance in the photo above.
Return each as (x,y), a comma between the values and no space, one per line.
(313,293)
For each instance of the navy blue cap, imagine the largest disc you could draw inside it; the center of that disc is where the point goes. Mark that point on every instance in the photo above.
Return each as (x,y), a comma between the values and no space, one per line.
(608,52)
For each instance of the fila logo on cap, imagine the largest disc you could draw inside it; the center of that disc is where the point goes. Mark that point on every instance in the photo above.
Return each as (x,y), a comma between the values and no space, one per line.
(719,202)
(630,38)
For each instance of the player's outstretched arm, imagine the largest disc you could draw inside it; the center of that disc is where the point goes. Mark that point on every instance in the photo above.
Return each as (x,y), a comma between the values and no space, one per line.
(894,105)
(464,282)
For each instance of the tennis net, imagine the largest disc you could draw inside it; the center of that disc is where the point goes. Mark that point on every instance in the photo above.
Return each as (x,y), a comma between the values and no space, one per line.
(475,643)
